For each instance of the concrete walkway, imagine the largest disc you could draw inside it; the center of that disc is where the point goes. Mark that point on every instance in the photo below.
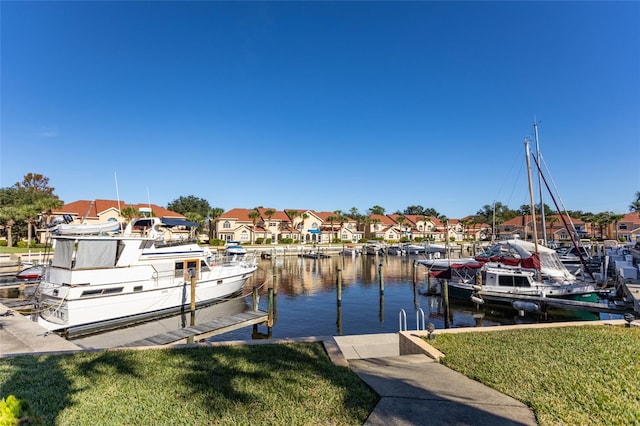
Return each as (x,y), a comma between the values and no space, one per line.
(416,390)
(19,335)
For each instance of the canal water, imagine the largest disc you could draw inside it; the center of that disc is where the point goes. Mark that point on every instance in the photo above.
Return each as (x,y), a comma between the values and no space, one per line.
(305,303)
(306,300)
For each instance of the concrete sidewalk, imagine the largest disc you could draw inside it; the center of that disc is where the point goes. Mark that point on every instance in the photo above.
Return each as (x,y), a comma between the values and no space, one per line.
(19,335)
(416,390)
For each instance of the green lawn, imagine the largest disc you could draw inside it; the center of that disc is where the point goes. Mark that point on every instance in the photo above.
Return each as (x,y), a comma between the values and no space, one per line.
(234,385)
(586,375)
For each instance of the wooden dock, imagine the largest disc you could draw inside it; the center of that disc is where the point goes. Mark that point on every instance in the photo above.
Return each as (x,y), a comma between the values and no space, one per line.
(203,331)
(632,290)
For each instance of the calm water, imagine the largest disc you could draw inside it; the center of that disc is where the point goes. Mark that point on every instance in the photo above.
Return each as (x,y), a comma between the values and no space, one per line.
(306,303)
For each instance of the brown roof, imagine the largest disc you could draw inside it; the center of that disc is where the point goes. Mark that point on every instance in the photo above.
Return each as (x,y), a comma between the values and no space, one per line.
(241,215)
(92,209)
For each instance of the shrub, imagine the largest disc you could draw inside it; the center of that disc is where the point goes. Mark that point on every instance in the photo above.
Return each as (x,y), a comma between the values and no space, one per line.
(14,411)
(259,240)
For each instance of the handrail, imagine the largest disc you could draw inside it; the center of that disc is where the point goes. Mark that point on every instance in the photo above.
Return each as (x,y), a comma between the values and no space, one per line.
(419,315)
(402,320)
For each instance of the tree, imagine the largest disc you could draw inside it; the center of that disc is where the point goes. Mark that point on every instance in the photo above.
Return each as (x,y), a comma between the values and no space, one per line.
(190,204)
(635,205)
(615,218)
(496,212)
(332,219)
(376,210)
(292,215)
(34,182)
(401,219)
(254,216)
(269,214)
(21,205)
(213,214)
(417,210)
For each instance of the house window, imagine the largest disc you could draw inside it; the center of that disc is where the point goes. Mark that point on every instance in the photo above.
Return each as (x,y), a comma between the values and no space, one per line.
(314,225)
(350,226)
(344,236)
(623,226)
(226,224)
(244,236)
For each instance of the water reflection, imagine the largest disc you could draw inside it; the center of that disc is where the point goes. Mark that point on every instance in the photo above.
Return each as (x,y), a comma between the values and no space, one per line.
(306,300)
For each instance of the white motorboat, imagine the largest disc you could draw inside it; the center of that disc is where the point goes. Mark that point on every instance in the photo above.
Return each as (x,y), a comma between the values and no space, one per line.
(234,248)
(374,247)
(84,228)
(145,272)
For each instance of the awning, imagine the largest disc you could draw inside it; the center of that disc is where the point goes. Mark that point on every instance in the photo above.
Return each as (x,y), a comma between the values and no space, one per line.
(178,222)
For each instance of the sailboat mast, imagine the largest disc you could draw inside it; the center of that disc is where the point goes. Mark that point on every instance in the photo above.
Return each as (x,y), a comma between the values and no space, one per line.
(533,208)
(542,218)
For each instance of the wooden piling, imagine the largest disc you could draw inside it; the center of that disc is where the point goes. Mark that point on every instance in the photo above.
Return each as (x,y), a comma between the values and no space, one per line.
(381,279)
(255,298)
(275,279)
(339,285)
(445,298)
(270,308)
(192,321)
(193,293)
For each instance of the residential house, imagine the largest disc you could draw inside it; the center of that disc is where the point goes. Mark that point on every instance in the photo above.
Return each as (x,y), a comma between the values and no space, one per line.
(236,225)
(627,228)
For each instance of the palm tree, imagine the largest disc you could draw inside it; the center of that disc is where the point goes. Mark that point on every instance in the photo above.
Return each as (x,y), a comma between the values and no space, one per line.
(304,217)
(635,206)
(292,215)
(254,215)
(269,214)
(445,221)
(214,213)
(332,219)
(401,219)
(615,218)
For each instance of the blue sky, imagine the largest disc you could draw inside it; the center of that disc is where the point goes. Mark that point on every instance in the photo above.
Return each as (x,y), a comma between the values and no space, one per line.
(323,105)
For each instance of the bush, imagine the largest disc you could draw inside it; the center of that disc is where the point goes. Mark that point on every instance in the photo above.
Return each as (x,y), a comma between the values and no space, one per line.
(14,411)
(285,241)
(216,242)
(259,240)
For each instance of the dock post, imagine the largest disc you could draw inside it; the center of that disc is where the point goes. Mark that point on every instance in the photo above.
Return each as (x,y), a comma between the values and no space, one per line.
(275,279)
(270,308)
(255,298)
(193,305)
(415,272)
(339,283)
(381,278)
(193,293)
(445,297)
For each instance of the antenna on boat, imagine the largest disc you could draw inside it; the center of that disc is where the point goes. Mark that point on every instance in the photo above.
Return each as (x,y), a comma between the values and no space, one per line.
(149,200)
(118,198)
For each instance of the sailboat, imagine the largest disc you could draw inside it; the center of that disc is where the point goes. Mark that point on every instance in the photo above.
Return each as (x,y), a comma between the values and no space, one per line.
(513,268)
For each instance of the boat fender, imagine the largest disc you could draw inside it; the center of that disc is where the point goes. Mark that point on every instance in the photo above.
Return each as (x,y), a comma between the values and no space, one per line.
(477,299)
(521,305)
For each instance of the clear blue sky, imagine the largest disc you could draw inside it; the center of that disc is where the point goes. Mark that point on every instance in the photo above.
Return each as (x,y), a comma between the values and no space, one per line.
(323,105)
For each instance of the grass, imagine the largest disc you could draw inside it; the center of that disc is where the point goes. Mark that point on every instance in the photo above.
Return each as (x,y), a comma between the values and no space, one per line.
(587,375)
(292,383)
